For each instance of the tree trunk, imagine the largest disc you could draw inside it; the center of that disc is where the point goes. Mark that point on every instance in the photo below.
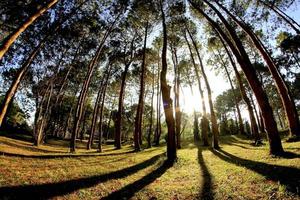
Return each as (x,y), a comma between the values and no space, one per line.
(95,117)
(102,107)
(158,100)
(241,125)
(256,114)
(215,130)
(282,88)
(253,124)
(16,82)
(41,126)
(176,97)
(151,113)
(22,71)
(166,96)
(118,125)
(12,37)
(84,90)
(204,121)
(140,107)
(244,61)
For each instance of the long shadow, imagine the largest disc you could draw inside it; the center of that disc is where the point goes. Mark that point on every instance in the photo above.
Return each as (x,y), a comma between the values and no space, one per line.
(129,190)
(27,147)
(288,176)
(53,156)
(50,190)
(206,193)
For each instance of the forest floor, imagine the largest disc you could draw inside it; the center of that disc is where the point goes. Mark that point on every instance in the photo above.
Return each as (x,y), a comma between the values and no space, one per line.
(237,171)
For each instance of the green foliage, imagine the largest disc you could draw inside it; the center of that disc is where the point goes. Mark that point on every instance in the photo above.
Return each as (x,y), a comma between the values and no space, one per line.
(16,118)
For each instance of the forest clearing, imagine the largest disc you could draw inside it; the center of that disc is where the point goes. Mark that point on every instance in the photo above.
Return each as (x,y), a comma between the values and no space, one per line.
(237,171)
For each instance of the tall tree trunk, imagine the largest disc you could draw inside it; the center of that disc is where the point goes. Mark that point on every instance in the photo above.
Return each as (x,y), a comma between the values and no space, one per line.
(279,119)
(241,124)
(140,107)
(244,61)
(158,100)
(12,37)
(177,112)
(40,131)
(176,97)
(95,116)
(166,96)
(282,88)
(151,113)
(118,118)
(102,107)
(256,114)
(215,128)
(38,116)
(85,86)
(204,120)
(68,122)
(118,124)
(253,124)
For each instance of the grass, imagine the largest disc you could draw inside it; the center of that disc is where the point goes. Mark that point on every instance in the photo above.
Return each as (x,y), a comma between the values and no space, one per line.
(237,171)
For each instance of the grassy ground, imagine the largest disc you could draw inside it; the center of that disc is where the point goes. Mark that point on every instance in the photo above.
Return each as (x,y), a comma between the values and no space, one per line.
(237,171)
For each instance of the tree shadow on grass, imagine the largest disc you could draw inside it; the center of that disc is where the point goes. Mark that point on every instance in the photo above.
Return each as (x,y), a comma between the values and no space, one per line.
(288,176)
(50,190)
(129,190)
(206,193)
(64,155)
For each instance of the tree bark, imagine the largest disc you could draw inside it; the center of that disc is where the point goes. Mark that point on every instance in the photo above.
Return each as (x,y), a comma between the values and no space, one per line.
(139,112)
(204,121)
(215,130)
(151,113)
(166,96)
(253,124)
(102,107)
(282,88)
(84,90)
(244,61)
(241,124)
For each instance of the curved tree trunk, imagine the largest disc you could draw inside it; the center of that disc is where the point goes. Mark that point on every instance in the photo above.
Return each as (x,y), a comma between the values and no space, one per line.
(241,124)
(176,96)
(85,86)
(166,96)
(253,124)
(215,128)
(204,121)
(151,113)
(12,37)
(139,112)
(118,125)
(102,107)
(158,105)
(282,88)
(17,80)
(244,61)
(22,71)
(95,117)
